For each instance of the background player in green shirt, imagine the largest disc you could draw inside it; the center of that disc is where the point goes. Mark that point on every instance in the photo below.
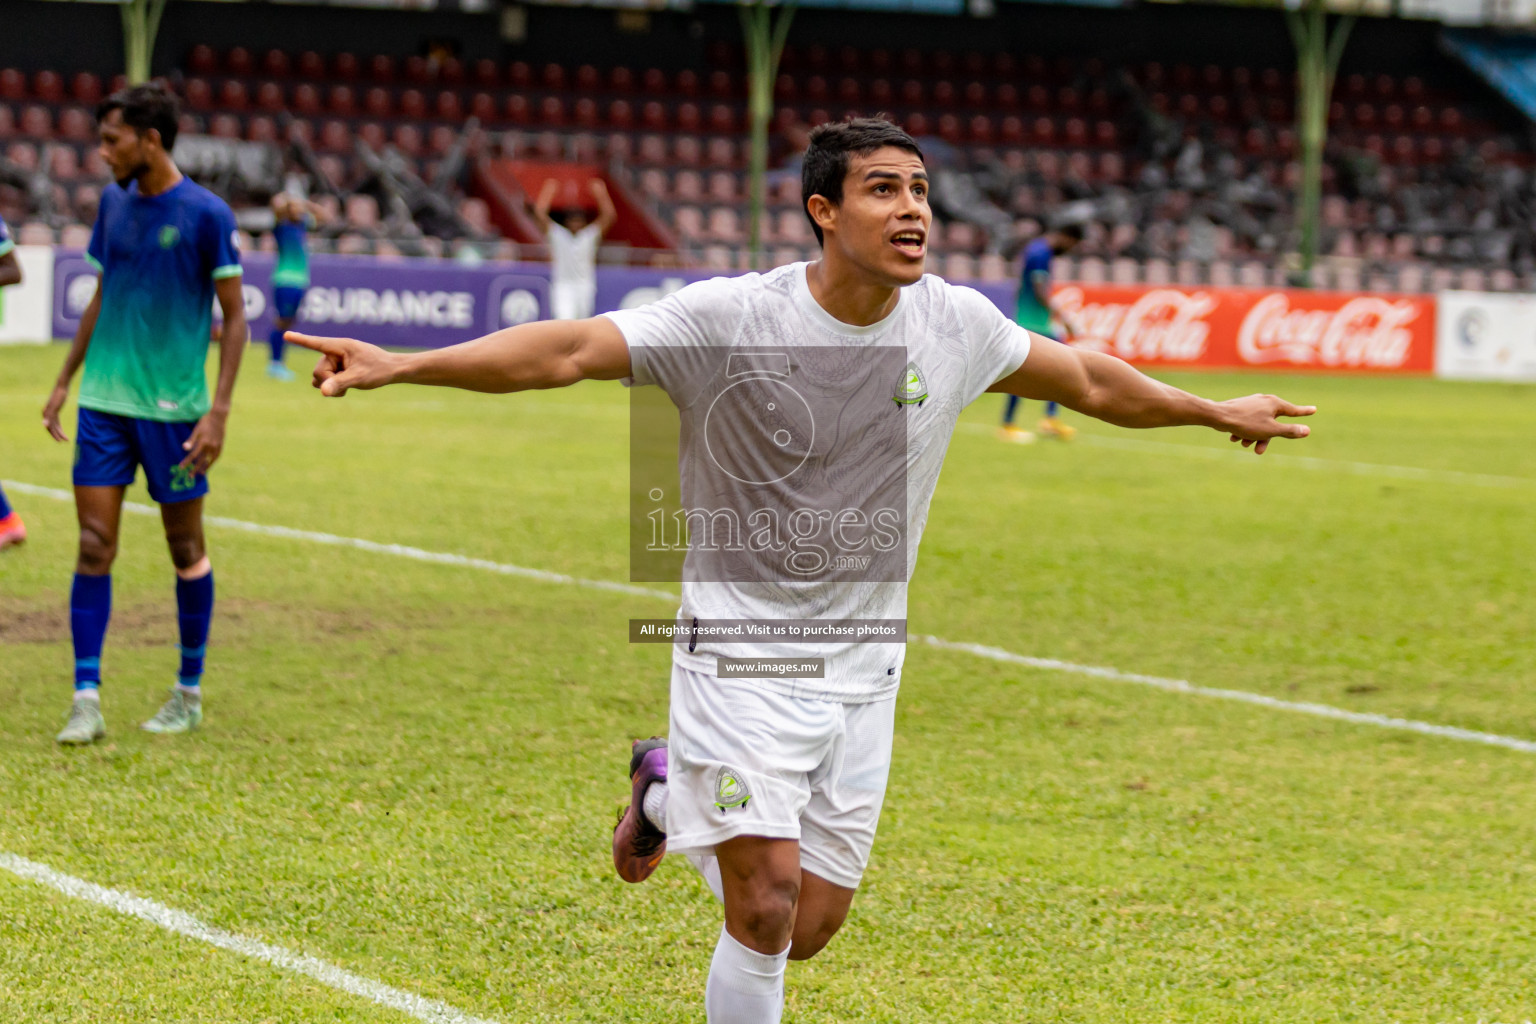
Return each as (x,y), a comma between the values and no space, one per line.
(165,247)
(293,219)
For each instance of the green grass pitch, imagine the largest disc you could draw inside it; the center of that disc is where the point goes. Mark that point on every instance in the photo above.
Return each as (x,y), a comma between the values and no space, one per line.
(411,770)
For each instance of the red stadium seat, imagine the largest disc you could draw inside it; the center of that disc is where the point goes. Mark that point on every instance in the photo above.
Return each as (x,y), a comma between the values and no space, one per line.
(975,95)
(232,95)
(1433,149)
(653,150)
(372,133)
(418,71)
(943,63)
(1386,86)
(343,100)
(202,60)
(1450,119)
(687,151)
(517,109)
(451,71)
(311,65)
(1393,117)
(881,95)
(64,164)
(346,66)
(949,128)
(306,99)
(720,84)
(441,139)
(816,57)
(553,77)
(1213,78)
(1423,118)
(48,86)
(520,74)
(85,88)
(816,89)
(407,139)
(77,125)
(621,114)
(1076,131)
(269,97)
(487,74)
(848,91)
(1413,88)
(944,92)
(1043,131)
(1011,131)
(585,112)
(300,130)
(552,111)
(587,79)
(239,61)
(688,119)
(879,61)
(275,64)
(722,119)
(334,137)
(912,93)
(482,106)
(973,63)
(199,94)
(447,106)
(1069,99)
(224,126)
(1038,98)
(848,59)
(784,119)
(818,115)
(785,89)
(621,80)
(1104,133)
(377,102)
(912,61)
(413,104)
(653,117)
(1365,115)
(1219,107)
(381,68)
(13,84)
(981,129)
(917,123)
(654,82)
(261,129)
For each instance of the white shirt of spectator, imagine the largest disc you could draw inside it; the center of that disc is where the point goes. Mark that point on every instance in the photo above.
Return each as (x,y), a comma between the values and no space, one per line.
(573,271)
(961,344)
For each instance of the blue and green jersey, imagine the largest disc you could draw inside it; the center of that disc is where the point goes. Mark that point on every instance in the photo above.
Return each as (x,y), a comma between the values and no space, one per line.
(292,269)
(1031,315)
(159,257)
(6,242)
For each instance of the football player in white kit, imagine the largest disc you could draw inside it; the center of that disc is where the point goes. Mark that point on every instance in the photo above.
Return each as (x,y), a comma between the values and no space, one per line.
(573,245)
(772,787)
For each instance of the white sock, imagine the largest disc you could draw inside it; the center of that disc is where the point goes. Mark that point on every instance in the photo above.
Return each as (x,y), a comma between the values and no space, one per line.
(708,865)
(88,693)
(193,692)
(745,986)
(654,805)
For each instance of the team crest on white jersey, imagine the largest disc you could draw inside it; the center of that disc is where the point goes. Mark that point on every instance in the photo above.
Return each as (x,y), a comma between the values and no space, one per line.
(911,389)
(730,789)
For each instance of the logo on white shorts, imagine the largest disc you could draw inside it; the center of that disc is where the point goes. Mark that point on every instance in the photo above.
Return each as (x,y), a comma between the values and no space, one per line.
(730,789)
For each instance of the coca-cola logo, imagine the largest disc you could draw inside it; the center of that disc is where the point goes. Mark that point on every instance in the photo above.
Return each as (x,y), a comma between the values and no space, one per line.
(1363,332)
(1161,325)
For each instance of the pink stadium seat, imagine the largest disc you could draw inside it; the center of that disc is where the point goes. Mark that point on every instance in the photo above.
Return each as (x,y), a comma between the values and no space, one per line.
(275,64)
(653,183)
(724,225)
(653,150)
(346,66)
(202,60)
(64,164)
(722,187)
(224,126)
(77,125)
(721,152)
(687,151)
(239,61)
(688,186)
(689,221)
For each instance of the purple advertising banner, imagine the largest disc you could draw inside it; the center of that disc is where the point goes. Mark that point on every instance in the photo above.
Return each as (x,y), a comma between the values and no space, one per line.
(410,303)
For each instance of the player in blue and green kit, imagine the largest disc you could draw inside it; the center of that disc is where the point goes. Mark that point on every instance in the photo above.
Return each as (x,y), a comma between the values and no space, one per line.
(165,247)
(1034,314)
(12,529)
(294,218)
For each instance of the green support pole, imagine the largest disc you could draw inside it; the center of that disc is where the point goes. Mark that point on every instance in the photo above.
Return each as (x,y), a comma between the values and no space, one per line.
(141,23)
(764,35)
(1317,62)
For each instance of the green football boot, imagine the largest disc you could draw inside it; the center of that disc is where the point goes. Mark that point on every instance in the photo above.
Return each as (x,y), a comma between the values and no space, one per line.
(85,724)
(180,713)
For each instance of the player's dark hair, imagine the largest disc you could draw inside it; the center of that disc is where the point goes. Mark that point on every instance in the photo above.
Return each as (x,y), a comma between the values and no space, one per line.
(1072,230)
(832,146)
(145,107)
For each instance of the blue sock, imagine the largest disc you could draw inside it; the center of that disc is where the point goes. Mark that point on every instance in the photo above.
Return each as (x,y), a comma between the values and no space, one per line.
(1050,410)
(194,608)
(90,609)
(5,506)
(1009,409)
(275,339)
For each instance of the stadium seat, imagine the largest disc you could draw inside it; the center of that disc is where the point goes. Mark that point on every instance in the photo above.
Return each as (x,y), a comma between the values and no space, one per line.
(306,99)
(377,102)
(269,97)
(64,163)
(232,95)
(199,94)
(686,83)
(202,60)
(552,77)
(85,88)
(238,61)
(584,113)
(552,111)
(687,118)
(816,89)
(413,104)
(372,133)
(335,137)
(300,130)
(588,80)
(13,84)
(448,106)
(381,68)
(342,101)
(721,85)
(36,122)
(224,126)
(621,114)
(621,80)
(687,151)
(486,74)
(653,116)
(346,66)
(275,64)
(722,119)
(482,106)
(76,125)
(311,65)
(450,72)
(261,129)
(520,74)
(407,139)
(517,109)
(721,152)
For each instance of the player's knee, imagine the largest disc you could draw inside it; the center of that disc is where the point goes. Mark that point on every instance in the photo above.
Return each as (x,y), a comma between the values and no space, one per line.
(812,939)
(187,549)
(98,550)
(767,912)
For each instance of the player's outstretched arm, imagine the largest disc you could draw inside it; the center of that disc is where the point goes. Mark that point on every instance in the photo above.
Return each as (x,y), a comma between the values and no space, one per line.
(1112,390)
(546,354)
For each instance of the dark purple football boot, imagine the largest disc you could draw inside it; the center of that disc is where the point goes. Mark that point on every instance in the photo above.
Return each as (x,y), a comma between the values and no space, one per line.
(638,846)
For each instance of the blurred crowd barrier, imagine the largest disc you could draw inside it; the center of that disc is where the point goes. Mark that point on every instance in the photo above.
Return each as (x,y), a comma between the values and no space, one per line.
(431,303)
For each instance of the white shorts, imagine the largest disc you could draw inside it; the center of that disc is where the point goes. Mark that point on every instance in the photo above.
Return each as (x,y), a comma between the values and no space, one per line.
(571,302)
(742,761)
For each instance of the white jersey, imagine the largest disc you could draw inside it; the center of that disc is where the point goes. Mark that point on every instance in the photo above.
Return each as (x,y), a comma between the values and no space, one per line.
(573,257)
(961,345)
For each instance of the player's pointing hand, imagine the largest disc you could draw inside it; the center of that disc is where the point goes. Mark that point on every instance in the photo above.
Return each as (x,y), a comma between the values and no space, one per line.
(1253,420)
(346,363)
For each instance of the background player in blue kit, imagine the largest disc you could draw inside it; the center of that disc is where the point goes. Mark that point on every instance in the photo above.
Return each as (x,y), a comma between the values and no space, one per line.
(1034,314)
(294,219)
(12,529)
(165,246)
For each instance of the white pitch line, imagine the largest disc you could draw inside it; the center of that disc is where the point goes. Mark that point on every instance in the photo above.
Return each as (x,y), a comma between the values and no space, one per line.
(978,650)
(1279,458)
(431,1011)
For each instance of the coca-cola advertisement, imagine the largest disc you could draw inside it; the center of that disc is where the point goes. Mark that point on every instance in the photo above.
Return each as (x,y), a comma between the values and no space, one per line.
(1254,327)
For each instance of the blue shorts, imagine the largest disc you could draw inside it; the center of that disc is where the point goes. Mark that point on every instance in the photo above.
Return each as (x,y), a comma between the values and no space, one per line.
(286,301)
(108,447)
